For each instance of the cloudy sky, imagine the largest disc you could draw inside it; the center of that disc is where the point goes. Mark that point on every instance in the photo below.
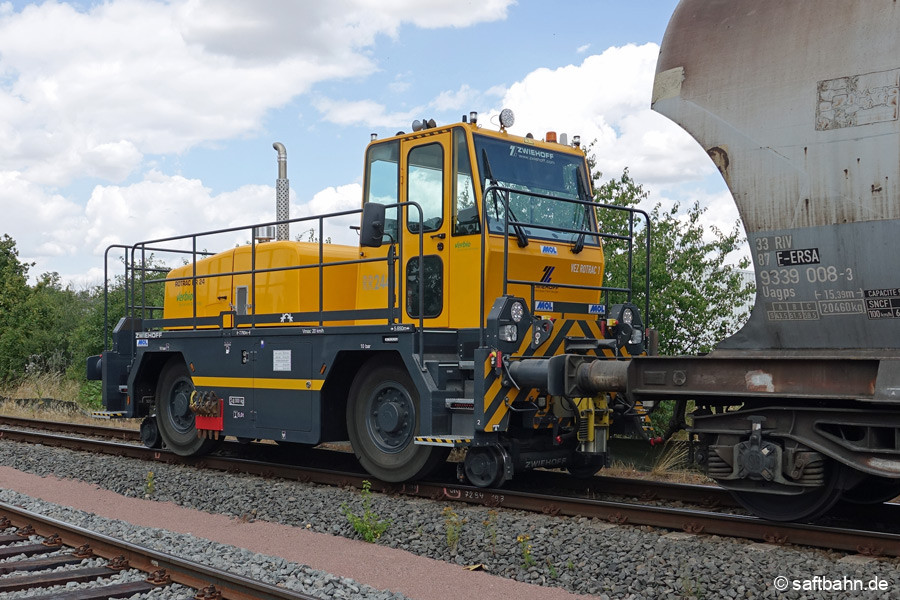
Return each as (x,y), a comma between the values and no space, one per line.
(128,120)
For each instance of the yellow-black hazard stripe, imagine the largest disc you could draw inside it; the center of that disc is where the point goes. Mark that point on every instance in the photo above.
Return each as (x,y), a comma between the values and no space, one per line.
(439,441)
(497,398)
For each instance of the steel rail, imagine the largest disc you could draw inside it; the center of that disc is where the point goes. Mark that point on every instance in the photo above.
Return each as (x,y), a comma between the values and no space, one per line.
(690,520)
(115,433)
(191,574)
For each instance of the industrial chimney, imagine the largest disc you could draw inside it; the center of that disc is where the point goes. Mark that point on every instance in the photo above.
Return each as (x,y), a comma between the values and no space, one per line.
(282,194)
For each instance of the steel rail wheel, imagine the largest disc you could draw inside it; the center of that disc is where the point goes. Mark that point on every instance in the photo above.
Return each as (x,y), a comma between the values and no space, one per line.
(382,422)
(872,490)
(173,411)
(807,506)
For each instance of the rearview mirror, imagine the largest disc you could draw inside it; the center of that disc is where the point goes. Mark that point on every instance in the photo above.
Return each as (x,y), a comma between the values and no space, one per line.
(371,230)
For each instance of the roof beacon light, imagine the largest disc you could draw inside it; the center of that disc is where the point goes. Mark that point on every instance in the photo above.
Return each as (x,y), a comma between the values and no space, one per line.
(576,141)
(507,118)
(551,137)
(374,136)
(473,118)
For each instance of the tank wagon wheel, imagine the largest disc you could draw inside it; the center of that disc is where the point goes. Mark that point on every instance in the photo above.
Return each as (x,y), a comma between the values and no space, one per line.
(382,420)
(872,490)
(173,412)
(808,506)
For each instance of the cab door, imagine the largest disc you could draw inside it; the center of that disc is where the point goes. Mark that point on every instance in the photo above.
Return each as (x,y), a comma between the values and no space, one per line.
(425,180)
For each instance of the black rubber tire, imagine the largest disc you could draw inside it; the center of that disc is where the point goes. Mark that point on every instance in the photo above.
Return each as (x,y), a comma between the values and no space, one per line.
(174,419)
(382,385)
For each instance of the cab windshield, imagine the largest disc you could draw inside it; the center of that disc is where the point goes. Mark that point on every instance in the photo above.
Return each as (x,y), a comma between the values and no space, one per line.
(525,168)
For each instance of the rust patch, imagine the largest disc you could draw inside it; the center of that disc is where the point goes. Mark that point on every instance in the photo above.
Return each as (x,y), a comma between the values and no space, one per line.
(159,577)
(119,563)
(692,527)
(720,158)
(870,550)
(776,538)
(550,509)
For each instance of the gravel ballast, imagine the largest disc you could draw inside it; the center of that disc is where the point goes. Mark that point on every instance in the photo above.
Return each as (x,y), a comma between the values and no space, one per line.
(581,555)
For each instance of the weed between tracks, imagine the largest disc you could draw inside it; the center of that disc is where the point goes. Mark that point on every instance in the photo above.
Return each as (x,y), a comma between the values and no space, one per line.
(453,525)
(368,525)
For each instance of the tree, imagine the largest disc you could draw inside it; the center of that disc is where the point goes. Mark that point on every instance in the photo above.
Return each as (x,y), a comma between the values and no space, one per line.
(14,292)
(697,297)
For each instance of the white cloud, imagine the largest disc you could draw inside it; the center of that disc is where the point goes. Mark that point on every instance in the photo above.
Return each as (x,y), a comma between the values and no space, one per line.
(103,87)
(332,200)
(582,49)
(461,99)
(367,112)
(163,206)
(607,98)
(376,115)
(43,224)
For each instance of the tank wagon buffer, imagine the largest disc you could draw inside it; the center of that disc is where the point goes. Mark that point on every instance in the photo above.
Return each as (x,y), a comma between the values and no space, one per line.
(471,314)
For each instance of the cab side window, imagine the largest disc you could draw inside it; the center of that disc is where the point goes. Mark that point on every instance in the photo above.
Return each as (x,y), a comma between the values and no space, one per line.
(465,212)
(425,170)
(382,182)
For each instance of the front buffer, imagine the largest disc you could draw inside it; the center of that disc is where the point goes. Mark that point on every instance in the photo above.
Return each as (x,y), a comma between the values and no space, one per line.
(546,391)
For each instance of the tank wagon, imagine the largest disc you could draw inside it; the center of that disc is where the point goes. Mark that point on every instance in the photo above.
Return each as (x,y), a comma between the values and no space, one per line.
(796,103)
(471,314)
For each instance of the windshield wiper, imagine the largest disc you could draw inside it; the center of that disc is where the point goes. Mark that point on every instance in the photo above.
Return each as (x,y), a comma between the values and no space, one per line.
(521,237)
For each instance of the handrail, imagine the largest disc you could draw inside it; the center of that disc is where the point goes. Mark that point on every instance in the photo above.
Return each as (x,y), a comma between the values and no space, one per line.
(138,275)
(137,269)
(504,193)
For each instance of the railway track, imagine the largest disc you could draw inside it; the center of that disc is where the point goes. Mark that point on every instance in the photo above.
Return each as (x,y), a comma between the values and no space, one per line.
(707,514)
(48,557)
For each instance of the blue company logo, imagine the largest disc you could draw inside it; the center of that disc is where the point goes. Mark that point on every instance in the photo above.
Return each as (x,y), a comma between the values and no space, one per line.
(548,271)
(143,343)
(596,309)
(544,305)
(549,250)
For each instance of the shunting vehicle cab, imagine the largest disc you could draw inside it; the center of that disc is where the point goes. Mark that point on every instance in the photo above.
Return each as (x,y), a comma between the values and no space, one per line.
(471,314)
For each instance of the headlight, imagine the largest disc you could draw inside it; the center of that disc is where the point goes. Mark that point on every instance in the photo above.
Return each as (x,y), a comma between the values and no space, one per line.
(509,333)
(627,316)
(516,311)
